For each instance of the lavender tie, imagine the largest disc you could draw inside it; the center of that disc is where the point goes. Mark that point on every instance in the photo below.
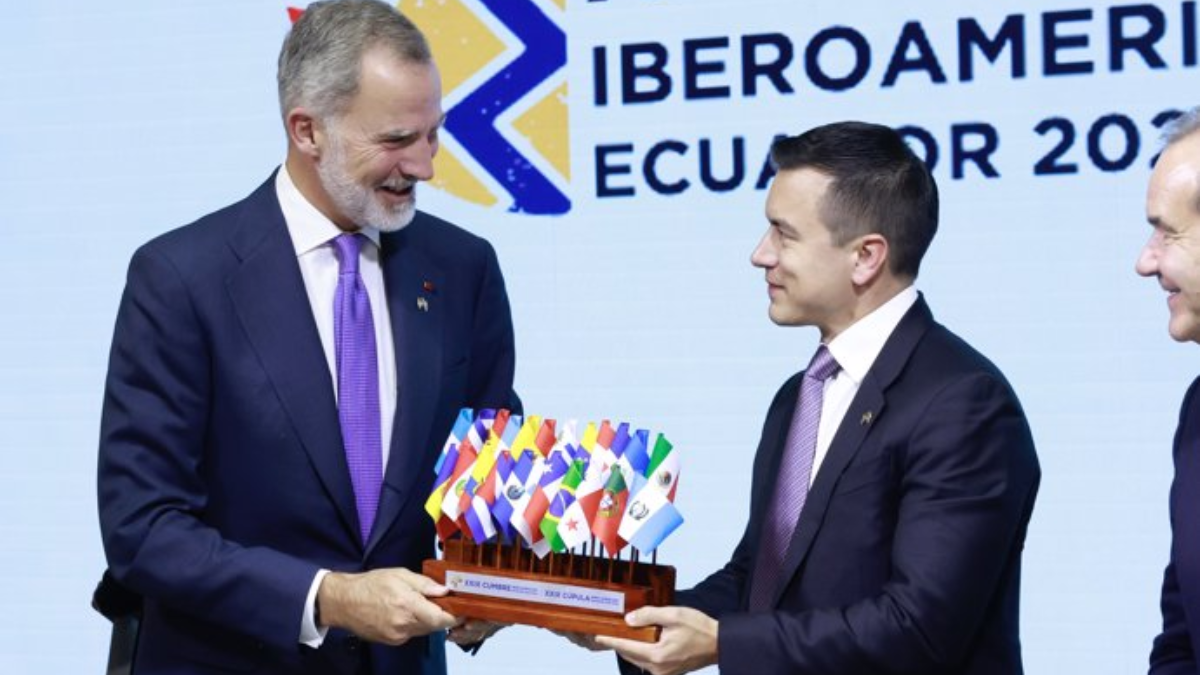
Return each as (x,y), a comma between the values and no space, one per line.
(791,486)
(358,382)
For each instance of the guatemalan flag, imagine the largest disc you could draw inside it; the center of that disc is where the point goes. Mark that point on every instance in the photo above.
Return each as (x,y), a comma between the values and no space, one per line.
(650,516)
(649,519)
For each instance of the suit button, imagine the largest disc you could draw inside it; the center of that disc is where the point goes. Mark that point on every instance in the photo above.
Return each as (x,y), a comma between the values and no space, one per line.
(353,644)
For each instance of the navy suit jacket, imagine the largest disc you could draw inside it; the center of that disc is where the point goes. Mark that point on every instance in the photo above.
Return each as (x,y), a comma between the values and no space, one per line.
(907,555)
(223,483)
(1175,649)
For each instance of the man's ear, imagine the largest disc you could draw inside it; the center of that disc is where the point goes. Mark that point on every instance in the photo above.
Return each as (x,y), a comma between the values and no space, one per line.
(870,258)
(304,132)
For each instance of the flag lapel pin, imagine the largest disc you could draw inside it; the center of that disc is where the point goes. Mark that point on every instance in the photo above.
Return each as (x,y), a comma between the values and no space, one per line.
(422,302)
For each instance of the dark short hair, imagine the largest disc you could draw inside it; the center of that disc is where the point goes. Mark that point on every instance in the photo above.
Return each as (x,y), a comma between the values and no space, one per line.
(321,58)
(879,187)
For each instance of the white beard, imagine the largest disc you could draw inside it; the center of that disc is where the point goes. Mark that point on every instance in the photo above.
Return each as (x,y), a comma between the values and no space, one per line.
(354,201)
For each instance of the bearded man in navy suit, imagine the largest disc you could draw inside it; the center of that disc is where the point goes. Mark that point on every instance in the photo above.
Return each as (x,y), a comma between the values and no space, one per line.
(226,493)
(902,553)
(1172,257)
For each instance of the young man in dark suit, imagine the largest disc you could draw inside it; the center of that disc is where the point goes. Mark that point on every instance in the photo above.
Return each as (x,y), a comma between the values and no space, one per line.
(283,373)
(1172,257)
(895,476)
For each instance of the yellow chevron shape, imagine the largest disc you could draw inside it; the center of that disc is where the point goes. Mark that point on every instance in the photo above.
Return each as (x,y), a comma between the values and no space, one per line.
(451,175)
(462,44)
(545,125)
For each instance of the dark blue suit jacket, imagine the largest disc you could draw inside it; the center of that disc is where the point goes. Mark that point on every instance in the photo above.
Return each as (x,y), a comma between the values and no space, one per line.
(907,555)
(223,484)
(1175,649)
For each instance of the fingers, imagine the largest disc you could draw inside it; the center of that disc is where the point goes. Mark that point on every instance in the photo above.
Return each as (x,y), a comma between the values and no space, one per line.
(641,654)
(688,641)
(607,642)
(588,642)
(471,632)
(412,613)
(422,584)
(653,616)
(385,605)
(430,617)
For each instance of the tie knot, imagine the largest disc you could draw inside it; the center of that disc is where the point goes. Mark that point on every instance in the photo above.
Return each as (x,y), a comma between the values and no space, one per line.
(822,366)
(347,246)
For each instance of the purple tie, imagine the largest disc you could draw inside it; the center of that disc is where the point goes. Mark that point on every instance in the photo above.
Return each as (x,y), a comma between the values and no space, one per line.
(358,382)
(791,486)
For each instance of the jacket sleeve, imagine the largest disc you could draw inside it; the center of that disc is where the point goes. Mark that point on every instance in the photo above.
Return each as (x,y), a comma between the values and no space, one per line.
(493,351)
(152,496)
(1172,652)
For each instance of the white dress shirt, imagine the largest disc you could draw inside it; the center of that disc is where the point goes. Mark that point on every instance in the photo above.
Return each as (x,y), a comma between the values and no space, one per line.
(312,236)
(855,350)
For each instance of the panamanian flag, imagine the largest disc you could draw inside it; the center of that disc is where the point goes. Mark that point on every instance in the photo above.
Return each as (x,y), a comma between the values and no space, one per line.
(576,525)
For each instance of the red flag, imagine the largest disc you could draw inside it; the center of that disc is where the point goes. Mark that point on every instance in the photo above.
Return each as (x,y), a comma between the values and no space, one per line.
(545,439)
(484,462)
(608,516)
(604,437)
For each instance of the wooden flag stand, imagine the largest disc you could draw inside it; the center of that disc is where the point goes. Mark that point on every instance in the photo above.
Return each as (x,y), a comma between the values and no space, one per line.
(562,592)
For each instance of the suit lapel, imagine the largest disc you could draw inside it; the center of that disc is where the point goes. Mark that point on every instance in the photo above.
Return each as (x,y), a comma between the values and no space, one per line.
(865,412)
(267,292)
(417,327)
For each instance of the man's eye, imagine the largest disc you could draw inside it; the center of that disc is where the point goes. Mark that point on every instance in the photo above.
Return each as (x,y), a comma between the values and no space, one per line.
(397,141)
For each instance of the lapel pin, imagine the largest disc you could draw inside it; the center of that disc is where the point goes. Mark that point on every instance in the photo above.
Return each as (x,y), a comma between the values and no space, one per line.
(866,418)
(423,304)
(427,286)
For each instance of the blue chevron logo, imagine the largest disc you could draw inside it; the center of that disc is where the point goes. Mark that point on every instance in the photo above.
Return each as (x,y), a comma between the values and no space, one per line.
(503,64)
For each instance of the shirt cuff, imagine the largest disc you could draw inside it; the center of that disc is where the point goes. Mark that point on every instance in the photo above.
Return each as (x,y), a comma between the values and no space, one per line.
(312,635)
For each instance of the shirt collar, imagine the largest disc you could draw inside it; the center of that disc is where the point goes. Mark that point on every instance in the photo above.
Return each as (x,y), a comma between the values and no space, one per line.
(308,227)
(857,347)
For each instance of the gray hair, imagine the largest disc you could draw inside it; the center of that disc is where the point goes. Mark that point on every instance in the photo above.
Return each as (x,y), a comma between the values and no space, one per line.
(321,58)
(1181,127)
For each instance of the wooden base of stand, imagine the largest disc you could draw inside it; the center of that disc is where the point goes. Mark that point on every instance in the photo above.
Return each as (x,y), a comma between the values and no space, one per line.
(637,584)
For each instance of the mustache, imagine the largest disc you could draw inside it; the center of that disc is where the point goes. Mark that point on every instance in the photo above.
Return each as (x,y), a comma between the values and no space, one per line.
(397,184)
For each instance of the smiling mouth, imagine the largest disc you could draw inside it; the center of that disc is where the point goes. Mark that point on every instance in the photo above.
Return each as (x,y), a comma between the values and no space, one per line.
(397,191)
